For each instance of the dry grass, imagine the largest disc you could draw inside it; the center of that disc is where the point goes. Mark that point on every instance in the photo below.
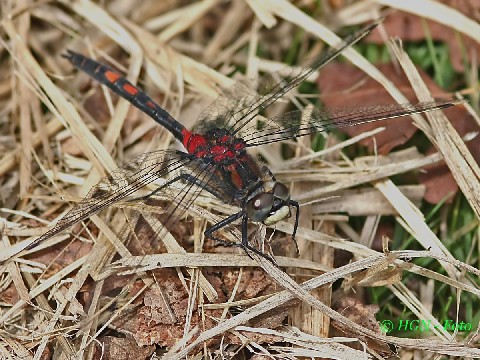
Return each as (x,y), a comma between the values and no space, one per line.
(52,150)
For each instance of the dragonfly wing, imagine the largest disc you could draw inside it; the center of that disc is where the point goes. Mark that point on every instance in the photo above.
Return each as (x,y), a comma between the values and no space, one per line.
(119,184)
(161,211)
(294,124)
(227,107)
(239,105)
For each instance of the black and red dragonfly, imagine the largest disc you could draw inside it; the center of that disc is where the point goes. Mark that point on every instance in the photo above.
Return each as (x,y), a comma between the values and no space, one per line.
(216,158)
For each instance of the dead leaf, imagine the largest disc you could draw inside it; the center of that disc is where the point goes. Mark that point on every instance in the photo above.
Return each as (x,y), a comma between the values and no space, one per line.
(363,315)
(255,337)
(343,83)
(47,353)
(254,282)
(357,312)
(161,318)
(437,178)
(439,182)
(409,27)
(9,295)
(271,319)
(383,230)
(115,348)
(56,258)
(385,273)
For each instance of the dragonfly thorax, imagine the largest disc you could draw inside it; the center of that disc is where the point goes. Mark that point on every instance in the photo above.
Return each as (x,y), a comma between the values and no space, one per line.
(217,144)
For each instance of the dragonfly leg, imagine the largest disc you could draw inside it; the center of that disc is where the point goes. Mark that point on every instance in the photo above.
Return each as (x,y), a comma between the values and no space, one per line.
(244,243)
(290,203)
(295,226)
(209,232)
(247,247)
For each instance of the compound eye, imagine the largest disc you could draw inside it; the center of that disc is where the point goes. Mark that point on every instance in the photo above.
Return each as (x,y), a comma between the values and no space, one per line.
(259,207)
(280,191)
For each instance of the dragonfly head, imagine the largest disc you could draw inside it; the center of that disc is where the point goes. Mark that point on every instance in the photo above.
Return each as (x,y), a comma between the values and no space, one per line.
(269,207)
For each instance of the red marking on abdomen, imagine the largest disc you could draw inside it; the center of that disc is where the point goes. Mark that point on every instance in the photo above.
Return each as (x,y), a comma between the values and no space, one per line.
(129,88)
(186,137)
(111,76)
(151,104)
(193,141)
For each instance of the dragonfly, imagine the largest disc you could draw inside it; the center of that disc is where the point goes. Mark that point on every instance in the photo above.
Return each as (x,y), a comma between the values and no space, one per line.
(216,159)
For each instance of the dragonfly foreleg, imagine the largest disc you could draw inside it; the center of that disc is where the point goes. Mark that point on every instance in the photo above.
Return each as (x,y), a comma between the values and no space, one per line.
(214,228)
(295,226)
(244,243)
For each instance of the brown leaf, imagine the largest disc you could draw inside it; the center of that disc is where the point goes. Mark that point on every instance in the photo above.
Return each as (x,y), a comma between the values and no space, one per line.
(161,319)
(357,312)
(261,357)
(271,319)
(363,315)
(254,337)
(47,353)
(254,282)
(115,348)
(9,295)
(56,258)
(437,178)
(439,182)
(147,241)
(409,27)
(345,85)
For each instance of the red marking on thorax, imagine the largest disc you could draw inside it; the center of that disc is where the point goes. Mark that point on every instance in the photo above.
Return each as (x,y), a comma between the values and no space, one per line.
(129,88)
(218,150)
(220,153)
(235,176)
(112,76)
(224,155)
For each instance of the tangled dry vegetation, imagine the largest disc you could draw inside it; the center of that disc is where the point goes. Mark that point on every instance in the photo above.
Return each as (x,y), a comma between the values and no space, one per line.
(93,293)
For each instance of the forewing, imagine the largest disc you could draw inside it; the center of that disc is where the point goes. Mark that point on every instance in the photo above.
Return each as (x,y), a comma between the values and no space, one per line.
(119,184)
(176,201)
(228,107)
(236,108)
(294,124)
